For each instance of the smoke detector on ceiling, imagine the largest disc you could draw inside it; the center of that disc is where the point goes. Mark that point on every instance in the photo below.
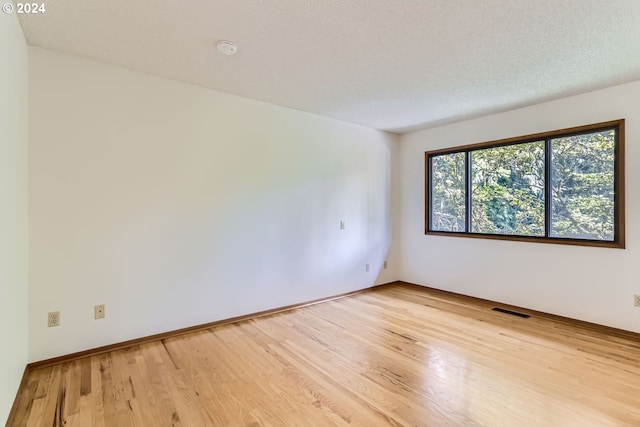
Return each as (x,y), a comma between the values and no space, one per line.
(226,47)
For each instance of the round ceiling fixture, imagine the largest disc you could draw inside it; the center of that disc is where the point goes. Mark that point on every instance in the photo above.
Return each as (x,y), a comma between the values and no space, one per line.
(226,47)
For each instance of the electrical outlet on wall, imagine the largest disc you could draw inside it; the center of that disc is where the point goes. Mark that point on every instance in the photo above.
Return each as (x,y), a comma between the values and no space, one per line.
(636,300)
(98,311)
(384,265)
(54,319)
(366,267)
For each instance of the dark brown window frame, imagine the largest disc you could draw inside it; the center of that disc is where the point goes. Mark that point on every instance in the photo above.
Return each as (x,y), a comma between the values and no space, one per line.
(619,190)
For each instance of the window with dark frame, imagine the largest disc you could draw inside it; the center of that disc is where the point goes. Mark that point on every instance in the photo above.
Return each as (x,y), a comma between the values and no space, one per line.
(564,186)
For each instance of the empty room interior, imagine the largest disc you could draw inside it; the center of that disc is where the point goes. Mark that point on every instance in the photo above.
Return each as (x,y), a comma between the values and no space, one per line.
(319,213)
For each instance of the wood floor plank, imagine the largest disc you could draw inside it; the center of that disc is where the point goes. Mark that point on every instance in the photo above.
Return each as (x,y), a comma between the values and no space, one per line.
(26,399)
(311,380)
(394,356)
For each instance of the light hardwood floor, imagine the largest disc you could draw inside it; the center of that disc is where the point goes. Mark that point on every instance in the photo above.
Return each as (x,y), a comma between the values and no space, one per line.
(395,356)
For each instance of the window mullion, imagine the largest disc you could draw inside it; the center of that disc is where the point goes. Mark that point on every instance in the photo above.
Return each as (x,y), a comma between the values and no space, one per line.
(468,191)
(547,187)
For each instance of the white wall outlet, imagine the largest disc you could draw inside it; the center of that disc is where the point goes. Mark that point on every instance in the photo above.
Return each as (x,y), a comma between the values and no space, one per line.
(636,300)
(98,311)
(54,318)
(366,267)
(341,225)
(384,265)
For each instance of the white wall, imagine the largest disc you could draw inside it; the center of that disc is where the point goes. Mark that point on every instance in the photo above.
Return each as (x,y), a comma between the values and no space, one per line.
(13,209)
(176,205)
(588,283)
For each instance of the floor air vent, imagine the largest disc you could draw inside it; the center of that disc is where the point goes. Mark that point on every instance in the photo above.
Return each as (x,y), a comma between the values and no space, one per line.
(513,313)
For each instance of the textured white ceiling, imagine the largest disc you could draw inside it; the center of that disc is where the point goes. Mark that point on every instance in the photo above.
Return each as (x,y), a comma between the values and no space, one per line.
(395,65)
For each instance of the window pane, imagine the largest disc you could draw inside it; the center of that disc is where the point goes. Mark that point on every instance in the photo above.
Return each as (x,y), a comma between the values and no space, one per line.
(448,176)
(582,178)
(507,194)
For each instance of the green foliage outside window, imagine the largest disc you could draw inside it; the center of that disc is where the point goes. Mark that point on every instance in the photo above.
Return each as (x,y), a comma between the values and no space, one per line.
(507,195)
(449,175)
(582,189)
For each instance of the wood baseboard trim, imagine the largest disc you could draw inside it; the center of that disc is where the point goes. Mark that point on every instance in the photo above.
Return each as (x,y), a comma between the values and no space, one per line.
(170,334)
(14,407)
(610,330)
